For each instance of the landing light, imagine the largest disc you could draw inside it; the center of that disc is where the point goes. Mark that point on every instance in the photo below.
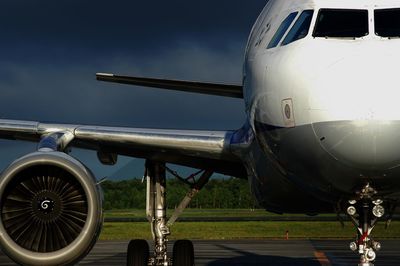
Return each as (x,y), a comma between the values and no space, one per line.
(378,211)
(351,210)
(352,202)
(377,246)
(353,246)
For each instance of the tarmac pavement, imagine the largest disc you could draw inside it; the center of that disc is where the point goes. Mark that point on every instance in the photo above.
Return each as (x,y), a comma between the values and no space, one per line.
(252,252)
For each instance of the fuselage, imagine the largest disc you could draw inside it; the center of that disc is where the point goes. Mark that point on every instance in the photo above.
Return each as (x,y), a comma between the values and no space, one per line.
(321,92)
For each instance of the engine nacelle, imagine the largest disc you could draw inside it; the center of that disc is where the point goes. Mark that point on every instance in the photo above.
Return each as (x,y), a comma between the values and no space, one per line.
(51,209)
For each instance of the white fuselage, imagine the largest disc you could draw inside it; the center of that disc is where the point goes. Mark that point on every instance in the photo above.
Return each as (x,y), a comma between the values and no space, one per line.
(327,103)
(326,78)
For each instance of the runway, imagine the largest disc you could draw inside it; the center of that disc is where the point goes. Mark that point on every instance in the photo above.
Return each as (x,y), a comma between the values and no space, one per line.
(253,252)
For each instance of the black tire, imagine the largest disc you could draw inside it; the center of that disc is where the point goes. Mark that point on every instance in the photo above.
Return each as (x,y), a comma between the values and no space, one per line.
(183,253)
(138,253)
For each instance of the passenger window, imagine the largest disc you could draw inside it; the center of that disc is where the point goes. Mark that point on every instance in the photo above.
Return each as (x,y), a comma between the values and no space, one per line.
(281,30)
(387,22)
(300,28)
(341,23)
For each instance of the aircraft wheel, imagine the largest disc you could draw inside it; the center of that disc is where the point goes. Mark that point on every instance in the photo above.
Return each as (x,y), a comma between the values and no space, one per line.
(138,253)
(183,253)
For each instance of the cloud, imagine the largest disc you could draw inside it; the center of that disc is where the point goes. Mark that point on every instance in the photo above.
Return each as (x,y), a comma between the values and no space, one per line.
(50,52)
(129,23)
(70,93)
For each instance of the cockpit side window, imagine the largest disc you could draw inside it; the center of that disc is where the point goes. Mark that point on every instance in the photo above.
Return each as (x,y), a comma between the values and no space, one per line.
(300,28)
(387,22)
(282,30)
(341,23)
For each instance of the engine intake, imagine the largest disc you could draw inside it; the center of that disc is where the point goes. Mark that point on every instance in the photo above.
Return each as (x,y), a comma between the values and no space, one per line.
(51,209)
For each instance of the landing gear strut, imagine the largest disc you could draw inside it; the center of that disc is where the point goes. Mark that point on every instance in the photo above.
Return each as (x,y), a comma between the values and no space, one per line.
(364,213)
(156,211)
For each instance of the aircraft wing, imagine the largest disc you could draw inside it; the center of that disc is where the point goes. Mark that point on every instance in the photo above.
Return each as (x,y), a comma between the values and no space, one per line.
(226,90)
(199,149)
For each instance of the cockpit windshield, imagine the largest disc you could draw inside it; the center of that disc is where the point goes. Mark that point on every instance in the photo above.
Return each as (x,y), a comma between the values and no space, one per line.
(341,23)
(387,22)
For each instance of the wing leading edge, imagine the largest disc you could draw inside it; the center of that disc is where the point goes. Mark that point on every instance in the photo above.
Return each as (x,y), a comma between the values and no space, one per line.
(227,90)
(199,149)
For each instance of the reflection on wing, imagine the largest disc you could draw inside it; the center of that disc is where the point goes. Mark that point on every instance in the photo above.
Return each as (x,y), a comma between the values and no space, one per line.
(200,149)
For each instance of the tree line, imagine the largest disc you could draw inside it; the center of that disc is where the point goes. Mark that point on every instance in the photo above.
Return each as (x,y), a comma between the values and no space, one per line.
(218,193)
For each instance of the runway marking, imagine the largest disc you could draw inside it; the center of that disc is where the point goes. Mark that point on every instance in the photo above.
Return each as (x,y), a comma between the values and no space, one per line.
(322,259)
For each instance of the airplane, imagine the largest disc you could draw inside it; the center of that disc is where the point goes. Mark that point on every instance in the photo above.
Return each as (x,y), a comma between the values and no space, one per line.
(321,136)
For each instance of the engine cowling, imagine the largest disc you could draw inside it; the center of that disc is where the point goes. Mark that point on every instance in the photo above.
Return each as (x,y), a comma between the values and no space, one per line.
(51,209)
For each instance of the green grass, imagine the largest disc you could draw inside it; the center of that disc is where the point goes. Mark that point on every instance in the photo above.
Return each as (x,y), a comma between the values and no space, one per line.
(236,230)
(245,230)
(133,213)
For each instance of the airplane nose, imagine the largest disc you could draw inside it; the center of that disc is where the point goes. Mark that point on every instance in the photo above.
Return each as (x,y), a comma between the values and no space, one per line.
(373,145)
(354,109)
(356,88)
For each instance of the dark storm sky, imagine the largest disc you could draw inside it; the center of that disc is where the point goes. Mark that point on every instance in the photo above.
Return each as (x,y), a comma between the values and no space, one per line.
(51,50)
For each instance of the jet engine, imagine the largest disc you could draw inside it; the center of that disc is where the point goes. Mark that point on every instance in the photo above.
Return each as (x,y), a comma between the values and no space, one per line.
(51,209)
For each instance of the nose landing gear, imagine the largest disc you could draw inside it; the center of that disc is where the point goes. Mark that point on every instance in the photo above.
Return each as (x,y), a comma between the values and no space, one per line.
(364,212)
